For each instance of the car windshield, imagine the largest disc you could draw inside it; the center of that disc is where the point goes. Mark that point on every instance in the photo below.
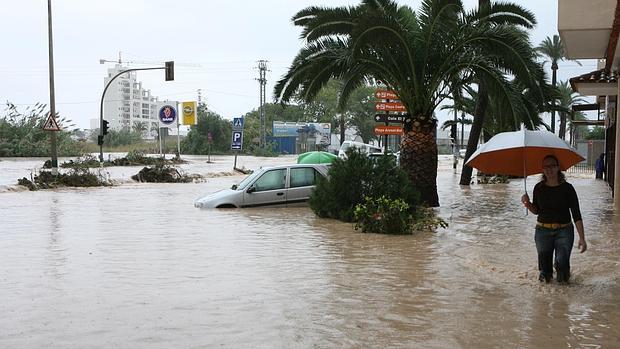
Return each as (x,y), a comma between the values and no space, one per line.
(247,180)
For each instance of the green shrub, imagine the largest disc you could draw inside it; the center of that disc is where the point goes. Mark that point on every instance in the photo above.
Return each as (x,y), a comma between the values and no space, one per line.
(355,178)
(383,215)
(77,177)
(492,179)
(394,216)
(424,219)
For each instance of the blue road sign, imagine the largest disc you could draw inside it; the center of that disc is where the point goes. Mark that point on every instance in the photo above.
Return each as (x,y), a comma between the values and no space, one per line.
(237,140)
(237,123)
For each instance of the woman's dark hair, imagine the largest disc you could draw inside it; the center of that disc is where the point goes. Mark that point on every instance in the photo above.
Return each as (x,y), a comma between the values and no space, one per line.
(561,176)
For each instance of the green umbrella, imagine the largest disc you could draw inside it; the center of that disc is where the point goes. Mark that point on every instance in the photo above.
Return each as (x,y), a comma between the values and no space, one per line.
(316,157)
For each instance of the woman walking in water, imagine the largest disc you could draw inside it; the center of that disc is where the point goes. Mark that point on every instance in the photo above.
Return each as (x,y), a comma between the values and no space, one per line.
(554,201)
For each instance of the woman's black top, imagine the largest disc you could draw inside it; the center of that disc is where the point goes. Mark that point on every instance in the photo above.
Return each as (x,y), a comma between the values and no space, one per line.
(554,203)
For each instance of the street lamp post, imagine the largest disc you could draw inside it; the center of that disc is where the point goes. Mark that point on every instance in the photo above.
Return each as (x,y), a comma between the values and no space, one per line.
(169,68)
(53,141)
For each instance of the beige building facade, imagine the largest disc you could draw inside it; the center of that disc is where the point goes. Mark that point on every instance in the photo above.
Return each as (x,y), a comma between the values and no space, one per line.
(589,30)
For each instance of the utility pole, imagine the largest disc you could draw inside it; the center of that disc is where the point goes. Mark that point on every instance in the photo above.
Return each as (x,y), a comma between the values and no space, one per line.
(262,69)
(52,93)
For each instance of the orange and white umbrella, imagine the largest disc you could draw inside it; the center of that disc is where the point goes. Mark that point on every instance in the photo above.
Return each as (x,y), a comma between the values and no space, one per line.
(521,153)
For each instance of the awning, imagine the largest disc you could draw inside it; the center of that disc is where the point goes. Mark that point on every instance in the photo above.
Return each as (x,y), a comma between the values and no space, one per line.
(596,83)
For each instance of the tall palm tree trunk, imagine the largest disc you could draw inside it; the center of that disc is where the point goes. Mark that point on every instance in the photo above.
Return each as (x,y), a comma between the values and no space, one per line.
(342,128)
(562,129)
(554,80)
(462,131)
(418,157)
(476,129)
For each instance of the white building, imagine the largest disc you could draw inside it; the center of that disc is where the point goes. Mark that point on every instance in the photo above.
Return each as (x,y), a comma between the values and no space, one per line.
(128,105)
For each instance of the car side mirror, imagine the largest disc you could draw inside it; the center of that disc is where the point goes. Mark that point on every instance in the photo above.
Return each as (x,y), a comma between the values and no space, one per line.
(251,189)
(234,187)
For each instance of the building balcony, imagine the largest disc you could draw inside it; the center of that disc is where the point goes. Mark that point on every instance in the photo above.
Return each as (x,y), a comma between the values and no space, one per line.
(585,27)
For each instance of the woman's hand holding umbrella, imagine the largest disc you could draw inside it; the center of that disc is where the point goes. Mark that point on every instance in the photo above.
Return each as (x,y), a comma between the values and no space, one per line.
(525,199)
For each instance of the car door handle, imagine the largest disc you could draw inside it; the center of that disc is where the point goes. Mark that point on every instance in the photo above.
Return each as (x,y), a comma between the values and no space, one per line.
(280,194)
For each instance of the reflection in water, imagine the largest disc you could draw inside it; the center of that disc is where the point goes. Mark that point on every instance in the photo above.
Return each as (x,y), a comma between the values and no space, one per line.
(56,251)
(137,265)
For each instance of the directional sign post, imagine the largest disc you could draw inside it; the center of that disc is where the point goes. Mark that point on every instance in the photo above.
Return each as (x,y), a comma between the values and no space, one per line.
(389,106)
(388,130)
(390,110)
(395,118)
(386,94)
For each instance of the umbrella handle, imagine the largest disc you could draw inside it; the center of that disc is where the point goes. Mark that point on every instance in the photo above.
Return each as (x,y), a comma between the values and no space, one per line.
(525,189)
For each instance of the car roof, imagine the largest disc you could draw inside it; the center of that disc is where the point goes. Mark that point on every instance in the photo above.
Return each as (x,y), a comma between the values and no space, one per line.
(293,166)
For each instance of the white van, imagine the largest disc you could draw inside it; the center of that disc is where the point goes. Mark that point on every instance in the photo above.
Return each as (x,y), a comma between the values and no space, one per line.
(363,147)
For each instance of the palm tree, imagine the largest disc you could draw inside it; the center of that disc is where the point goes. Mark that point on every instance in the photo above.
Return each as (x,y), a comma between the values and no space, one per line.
(140,127)
(500,118)
(567,99)
(462,120)
(535,83)
(553,49)
(419,55)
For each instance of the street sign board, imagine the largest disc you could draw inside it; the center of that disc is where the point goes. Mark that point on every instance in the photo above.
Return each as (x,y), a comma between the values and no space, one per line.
(189,113)
(385,94)
(395,118)
(237,140)
(167,114)
(51,124)
(388,130)
(389,106)
(237,123)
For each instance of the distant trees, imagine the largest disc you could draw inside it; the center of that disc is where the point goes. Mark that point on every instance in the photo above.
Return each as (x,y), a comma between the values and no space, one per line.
(197,140)
(358,111)
(22,134)
(553,49)
(115,138)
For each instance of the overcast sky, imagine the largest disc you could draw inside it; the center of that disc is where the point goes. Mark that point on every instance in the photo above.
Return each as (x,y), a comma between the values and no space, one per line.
(215,45)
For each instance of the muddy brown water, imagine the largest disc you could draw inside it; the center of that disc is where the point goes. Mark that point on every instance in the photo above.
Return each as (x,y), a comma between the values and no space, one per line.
(136,265)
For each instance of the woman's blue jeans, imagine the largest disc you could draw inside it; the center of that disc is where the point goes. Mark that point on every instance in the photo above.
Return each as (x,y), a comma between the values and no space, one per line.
(559,240)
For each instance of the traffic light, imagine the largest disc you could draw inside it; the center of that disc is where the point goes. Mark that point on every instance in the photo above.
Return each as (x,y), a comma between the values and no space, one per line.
(170,71)
(104,130)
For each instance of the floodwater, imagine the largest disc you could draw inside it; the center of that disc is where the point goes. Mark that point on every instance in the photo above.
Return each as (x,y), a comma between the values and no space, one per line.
(136,265)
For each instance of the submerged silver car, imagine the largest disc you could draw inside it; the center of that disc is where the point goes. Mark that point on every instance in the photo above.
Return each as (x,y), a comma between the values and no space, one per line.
(279,185)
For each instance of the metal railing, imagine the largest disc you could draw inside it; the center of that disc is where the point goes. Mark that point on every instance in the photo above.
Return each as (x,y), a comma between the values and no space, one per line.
(581,168)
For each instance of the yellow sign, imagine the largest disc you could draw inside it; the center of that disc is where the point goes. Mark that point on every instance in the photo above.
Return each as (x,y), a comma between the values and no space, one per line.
(190,116)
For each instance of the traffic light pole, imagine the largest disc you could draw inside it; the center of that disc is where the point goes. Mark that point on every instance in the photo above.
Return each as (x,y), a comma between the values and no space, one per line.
(169,76)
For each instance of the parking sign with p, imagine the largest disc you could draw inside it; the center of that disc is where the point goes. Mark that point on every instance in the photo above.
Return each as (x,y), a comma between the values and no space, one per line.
(237,140)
